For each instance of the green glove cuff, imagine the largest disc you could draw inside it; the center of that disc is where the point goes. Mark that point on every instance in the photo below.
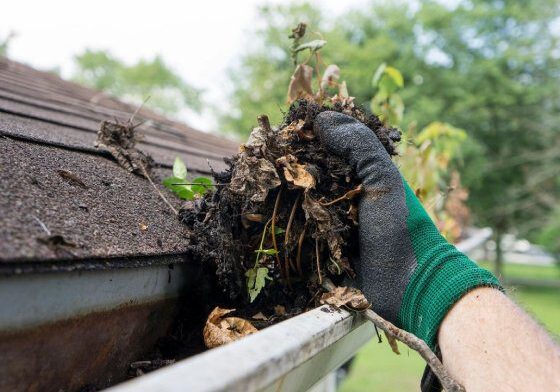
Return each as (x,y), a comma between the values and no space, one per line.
(442,276)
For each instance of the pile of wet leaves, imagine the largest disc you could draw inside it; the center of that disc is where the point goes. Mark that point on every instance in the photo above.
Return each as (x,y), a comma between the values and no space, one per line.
(284,216)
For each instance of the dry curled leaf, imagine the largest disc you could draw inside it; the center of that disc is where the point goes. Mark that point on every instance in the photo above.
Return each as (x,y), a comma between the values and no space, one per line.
(300,83)
(295,172)
(221,330)
(345,296)
(326,226)
(295,128)
(330,76)
(254,176)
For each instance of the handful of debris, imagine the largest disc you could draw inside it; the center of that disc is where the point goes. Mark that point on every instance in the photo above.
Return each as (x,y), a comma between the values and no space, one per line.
(285,216)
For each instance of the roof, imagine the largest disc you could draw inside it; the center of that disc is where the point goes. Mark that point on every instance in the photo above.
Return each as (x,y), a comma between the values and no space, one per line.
(64,202)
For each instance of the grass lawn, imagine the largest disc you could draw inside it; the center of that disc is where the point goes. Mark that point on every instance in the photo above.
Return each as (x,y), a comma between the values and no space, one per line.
(376,368)
(526,271)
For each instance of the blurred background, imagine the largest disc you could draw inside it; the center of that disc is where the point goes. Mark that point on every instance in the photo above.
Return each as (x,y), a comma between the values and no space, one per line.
(473,85)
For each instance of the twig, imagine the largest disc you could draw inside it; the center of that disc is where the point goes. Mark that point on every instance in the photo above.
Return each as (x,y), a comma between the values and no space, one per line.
(297,34)
(131,120)
(347,196)
(43,226)
(300,243)
(287,234)
(264,123)
(145,174)
(447,381)
(318,261)
(272,226)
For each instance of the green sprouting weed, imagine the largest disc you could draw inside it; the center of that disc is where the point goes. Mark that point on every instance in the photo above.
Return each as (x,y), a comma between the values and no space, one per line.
(257,276)
(256,280)
(177,183)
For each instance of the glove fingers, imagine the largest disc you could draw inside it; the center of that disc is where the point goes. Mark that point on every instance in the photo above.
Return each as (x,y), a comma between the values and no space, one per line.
(347,137)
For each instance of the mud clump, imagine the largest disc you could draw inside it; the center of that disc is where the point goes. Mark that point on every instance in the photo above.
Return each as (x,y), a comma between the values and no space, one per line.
(285,216)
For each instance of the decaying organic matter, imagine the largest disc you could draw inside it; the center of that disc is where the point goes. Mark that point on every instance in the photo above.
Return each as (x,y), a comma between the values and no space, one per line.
(287,215)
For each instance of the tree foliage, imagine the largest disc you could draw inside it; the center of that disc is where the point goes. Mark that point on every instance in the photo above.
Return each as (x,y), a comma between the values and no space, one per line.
(488,67)
(167,91)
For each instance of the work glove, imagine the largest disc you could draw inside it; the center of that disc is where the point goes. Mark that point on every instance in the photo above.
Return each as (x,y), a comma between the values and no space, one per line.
(407,270)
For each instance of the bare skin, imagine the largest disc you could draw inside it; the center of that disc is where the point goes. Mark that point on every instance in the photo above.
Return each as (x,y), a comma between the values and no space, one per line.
(489,344)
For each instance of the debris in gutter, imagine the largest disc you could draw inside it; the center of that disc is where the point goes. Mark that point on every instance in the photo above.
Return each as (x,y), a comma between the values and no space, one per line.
(220,329)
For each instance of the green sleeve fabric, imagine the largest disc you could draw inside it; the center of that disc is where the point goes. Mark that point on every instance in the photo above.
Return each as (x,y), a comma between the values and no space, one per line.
(442,276)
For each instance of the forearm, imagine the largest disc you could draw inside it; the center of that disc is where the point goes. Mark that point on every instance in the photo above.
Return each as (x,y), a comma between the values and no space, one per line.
(489,343)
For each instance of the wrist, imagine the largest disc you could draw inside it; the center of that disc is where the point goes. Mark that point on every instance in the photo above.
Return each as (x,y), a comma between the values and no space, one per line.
(438,283)
(442,275)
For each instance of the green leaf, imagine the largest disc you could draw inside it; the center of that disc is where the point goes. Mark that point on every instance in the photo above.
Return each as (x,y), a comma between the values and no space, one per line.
(256,280)
(205,184)
(313,46)
(171,182)
(184,192)
(179,169)
(395,75)
(378,73)
(270,252)
(278,230)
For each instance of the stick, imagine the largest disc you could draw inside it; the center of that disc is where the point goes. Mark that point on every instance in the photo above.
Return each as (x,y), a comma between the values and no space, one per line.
(145,173)
(264,123)
(417,344)
(287,234)
(347,196)
(298,257)
(272,225)
(318,262)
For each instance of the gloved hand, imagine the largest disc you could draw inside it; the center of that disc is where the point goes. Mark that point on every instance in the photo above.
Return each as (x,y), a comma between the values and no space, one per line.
(410,274)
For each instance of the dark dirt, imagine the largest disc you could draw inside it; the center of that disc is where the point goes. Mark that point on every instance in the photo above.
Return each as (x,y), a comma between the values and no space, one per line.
(288,168)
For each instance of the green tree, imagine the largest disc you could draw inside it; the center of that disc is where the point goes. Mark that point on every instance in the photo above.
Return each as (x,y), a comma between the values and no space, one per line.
(168,92)
(489,67)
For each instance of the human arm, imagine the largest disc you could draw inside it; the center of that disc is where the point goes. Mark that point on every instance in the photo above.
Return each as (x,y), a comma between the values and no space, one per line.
(489,344)
(410,274)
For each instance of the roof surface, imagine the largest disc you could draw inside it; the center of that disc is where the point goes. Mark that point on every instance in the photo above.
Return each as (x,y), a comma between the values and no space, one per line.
(64,201)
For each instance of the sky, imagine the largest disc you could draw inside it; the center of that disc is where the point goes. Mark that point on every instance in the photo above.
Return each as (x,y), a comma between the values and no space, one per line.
(198,39)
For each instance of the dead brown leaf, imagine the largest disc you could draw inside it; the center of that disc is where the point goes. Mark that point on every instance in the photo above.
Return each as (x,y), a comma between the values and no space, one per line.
(345,296)
(300,83)
(330,76)
(254,176)
(295,172)
(260,316)
(325,225)
(220,330)
(353,214)
(280,310)
(290,131)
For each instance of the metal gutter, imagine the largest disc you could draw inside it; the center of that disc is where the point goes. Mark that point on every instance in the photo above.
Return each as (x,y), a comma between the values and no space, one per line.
(294,355)
(70,330)
(290,356)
